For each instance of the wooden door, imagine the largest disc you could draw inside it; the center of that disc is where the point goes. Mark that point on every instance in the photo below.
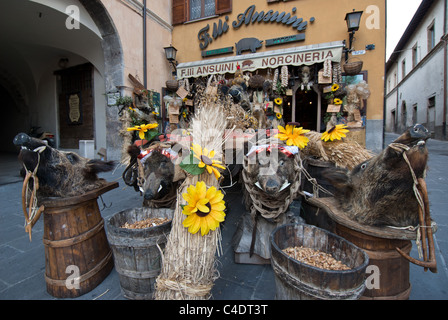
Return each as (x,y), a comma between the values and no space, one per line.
(76,105)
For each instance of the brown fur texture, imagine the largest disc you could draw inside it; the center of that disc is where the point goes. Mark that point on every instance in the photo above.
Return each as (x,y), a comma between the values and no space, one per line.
(271,172)
(60,174)
(379,191)
(158,174)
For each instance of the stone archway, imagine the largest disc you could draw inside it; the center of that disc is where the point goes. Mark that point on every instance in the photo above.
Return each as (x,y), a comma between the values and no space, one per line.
(114,65)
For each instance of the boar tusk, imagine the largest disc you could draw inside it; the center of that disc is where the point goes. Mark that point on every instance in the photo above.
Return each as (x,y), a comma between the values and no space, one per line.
(142,190)
(258,185)
(160,188)
(285,185)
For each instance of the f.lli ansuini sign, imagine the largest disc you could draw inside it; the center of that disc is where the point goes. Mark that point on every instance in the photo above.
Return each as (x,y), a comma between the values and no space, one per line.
(248,17)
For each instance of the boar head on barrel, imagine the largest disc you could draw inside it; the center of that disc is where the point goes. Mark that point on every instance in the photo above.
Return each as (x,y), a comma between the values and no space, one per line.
(158,175)
(60,173)
(379,191)
(271,168)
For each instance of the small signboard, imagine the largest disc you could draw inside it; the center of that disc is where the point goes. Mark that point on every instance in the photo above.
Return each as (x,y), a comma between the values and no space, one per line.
(286,39)
(216,52)
(333,108)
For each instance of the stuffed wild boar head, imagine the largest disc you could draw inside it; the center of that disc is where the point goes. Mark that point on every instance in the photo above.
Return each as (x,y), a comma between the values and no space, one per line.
(271,169)
(379,192)
(60,174)
(159,170)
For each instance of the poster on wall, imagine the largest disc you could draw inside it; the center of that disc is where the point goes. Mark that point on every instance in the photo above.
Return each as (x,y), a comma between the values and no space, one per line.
(74,108)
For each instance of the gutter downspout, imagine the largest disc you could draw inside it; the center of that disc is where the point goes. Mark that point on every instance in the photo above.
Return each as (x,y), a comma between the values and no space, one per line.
(445,49)
(385,81)
(145,80)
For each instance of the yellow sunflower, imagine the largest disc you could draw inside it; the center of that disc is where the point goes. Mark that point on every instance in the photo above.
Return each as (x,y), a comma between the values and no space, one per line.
(143,128)
(336,133)
(204,208)
(278,115)
(205,157)
(337,101)
(335,87)
(293,136)
(278,101)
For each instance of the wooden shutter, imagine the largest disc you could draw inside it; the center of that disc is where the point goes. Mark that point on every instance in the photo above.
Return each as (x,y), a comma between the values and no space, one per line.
(223,6)
(179,11)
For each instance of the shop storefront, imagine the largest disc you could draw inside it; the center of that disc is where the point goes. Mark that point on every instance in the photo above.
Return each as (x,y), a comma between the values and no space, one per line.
(303,49)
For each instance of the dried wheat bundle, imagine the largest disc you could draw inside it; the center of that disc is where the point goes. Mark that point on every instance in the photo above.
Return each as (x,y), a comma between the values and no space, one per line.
(346,154)
(238,118)
(125,120)
(343,153)
(189,263)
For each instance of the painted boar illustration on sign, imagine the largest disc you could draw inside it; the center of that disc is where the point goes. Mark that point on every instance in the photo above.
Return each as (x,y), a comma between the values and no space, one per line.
(245,44)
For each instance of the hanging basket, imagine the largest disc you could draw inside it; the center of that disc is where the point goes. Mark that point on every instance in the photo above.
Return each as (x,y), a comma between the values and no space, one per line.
(256,81)
(172,85)
(352,68)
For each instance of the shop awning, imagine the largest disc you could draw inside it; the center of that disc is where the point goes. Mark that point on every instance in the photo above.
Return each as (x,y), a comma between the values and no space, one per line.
(305,55)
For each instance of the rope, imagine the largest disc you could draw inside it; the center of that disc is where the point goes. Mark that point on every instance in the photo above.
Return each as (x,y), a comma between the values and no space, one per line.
(399,147)
(272,207)
(33,213)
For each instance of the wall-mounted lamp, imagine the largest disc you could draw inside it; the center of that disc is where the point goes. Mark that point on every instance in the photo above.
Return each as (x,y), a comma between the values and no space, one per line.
(63,63)
(353,20)
(170,54)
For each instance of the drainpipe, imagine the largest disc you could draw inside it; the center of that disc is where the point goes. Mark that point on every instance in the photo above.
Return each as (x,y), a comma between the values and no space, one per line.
(444,39)
(145,80)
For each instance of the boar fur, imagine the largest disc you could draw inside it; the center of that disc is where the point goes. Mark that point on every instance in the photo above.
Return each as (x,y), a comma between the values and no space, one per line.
(379,192)
(60,173)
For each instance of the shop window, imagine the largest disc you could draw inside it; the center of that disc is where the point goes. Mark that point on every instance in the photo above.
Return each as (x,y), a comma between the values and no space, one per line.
(188,10)
(414,114)
(403,69)
(431,37)
(414,56)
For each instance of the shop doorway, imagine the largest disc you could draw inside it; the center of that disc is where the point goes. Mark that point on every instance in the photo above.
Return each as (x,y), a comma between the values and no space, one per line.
(76,105)
(306,109)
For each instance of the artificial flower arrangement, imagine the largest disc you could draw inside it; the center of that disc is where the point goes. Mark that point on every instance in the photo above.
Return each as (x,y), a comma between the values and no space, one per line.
(335,133)
(205,208)
(295,136)
(145,131)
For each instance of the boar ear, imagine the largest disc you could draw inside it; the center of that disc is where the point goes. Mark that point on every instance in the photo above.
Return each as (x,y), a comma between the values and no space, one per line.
(339,178)
(95,166)
(133,151)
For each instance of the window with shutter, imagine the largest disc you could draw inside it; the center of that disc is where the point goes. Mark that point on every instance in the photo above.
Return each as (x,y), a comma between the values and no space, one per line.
(223,6)
(179,11)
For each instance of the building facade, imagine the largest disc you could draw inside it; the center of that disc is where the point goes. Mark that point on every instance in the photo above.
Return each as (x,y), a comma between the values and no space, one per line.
(416,73)
(62,62)
(260,36)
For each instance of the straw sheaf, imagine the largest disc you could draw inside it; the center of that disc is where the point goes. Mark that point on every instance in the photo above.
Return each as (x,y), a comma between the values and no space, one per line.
(343,153)
(189,263)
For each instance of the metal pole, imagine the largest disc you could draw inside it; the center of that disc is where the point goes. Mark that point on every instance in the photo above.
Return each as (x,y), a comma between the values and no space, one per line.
(145,81)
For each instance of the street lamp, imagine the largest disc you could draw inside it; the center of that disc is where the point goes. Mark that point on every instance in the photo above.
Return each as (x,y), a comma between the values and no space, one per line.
(353,20)
(170,54)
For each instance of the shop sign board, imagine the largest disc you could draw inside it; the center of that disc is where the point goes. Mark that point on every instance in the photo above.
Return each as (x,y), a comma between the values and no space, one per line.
(251,16)
(252,62)
(286,39)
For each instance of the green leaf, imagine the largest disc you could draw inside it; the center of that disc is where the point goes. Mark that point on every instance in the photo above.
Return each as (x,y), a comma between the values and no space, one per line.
(150,134)
(190,164)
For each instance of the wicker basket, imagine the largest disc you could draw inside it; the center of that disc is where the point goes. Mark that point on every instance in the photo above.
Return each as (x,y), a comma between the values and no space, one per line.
(172,85)
(256,81)
(352,68)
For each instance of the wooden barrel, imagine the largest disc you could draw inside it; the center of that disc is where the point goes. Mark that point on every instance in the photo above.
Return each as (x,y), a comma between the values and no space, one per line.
(392,281)
(315,168)
(386,265)
(300,281)
(77,255)
(136,252)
